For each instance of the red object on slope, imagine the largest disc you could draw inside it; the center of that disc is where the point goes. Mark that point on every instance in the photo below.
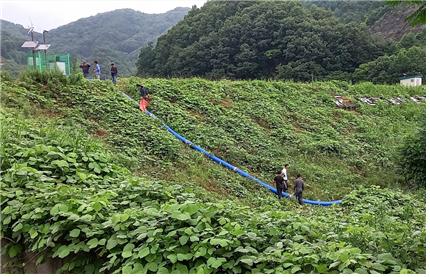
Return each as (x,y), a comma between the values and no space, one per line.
(143,104)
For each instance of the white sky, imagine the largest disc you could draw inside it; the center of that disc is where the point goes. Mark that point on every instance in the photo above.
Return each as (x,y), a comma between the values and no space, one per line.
(50,14)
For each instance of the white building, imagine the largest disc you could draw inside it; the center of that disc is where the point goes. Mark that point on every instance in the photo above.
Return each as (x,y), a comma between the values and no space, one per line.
(411,81)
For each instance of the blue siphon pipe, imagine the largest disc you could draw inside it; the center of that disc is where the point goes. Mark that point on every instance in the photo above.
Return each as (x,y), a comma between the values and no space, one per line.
(232,167)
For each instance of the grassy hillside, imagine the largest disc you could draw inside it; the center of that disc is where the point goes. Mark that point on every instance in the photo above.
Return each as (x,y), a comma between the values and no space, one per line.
(124,196)
(257,125)
(261,125)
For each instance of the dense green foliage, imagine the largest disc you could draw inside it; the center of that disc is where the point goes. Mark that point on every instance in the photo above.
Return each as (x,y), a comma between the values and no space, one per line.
(63,196)
(355,11)
(70,147)
(413,158)
(115,36)
(256,125)
(260,39)
(290,40)
(260,125)
(102,111)
(388,68)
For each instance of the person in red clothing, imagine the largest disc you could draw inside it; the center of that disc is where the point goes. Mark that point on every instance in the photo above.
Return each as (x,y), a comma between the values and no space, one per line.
(144,97)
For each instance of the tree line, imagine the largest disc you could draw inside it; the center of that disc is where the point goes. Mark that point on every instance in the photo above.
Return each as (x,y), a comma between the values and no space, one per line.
(273,40)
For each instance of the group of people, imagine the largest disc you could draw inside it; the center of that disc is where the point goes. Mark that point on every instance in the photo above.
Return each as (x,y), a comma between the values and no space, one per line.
(281,182)
(97,71)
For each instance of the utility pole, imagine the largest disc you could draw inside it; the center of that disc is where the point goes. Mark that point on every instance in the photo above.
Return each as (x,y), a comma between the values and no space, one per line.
(32,50)
(44,42)
(31,44)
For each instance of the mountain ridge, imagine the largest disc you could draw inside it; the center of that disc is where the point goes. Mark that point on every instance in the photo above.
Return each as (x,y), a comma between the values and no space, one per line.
(114,36)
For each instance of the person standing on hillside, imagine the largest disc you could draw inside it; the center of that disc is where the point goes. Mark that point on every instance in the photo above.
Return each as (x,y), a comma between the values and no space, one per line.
(279,182)
(85,69)
(285,176)
(113,73)
(97,70)
(299,187)
(144,97)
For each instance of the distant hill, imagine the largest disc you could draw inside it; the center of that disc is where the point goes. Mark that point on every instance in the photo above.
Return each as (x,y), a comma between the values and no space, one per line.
(114,36)
(12,55)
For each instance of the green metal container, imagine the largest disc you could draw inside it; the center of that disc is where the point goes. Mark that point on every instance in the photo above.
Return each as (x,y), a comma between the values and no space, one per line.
(61,62)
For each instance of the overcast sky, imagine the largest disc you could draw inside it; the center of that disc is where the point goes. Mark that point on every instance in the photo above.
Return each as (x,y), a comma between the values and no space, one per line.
(49,14)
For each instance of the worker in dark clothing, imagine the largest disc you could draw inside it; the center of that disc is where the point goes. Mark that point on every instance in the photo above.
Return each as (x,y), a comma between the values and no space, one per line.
(144,92)
(299,187)
(85,69)
(144,97)
(113,72)
(279,182)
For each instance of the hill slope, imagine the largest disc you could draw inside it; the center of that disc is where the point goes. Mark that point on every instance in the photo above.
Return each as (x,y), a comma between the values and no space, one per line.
(74,142)
(256,125)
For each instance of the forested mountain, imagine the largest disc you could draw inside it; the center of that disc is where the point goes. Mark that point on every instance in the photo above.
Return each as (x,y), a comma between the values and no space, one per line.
(115,36)
(12,55)
(286,40)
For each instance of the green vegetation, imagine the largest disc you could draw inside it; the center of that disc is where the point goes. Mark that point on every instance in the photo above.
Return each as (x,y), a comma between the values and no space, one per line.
(90,180)
(255,125)
(404,58)
(413,158)
(388,68)
(289,40)
(355,11)
(261,125)
(246,40)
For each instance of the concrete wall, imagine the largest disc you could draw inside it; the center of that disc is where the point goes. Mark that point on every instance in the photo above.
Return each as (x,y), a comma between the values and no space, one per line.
(411,82)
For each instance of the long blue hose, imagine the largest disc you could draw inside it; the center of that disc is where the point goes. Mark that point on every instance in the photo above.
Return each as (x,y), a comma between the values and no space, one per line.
(231,167)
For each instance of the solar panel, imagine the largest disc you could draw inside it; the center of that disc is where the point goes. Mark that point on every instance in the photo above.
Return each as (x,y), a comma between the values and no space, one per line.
(43,46)
(29,44)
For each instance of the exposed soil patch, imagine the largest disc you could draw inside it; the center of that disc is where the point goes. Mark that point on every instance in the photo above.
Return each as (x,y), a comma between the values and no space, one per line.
(197,114)
(262,123)
(101,133)
(393,24)
(226,103)
(49,113)
(213,187)
(297,128)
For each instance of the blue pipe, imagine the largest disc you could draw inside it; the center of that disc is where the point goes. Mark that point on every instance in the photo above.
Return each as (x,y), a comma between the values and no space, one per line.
(233,168)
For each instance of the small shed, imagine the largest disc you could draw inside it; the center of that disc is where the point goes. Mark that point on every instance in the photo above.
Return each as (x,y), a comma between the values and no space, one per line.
(411,80)
(61,62)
